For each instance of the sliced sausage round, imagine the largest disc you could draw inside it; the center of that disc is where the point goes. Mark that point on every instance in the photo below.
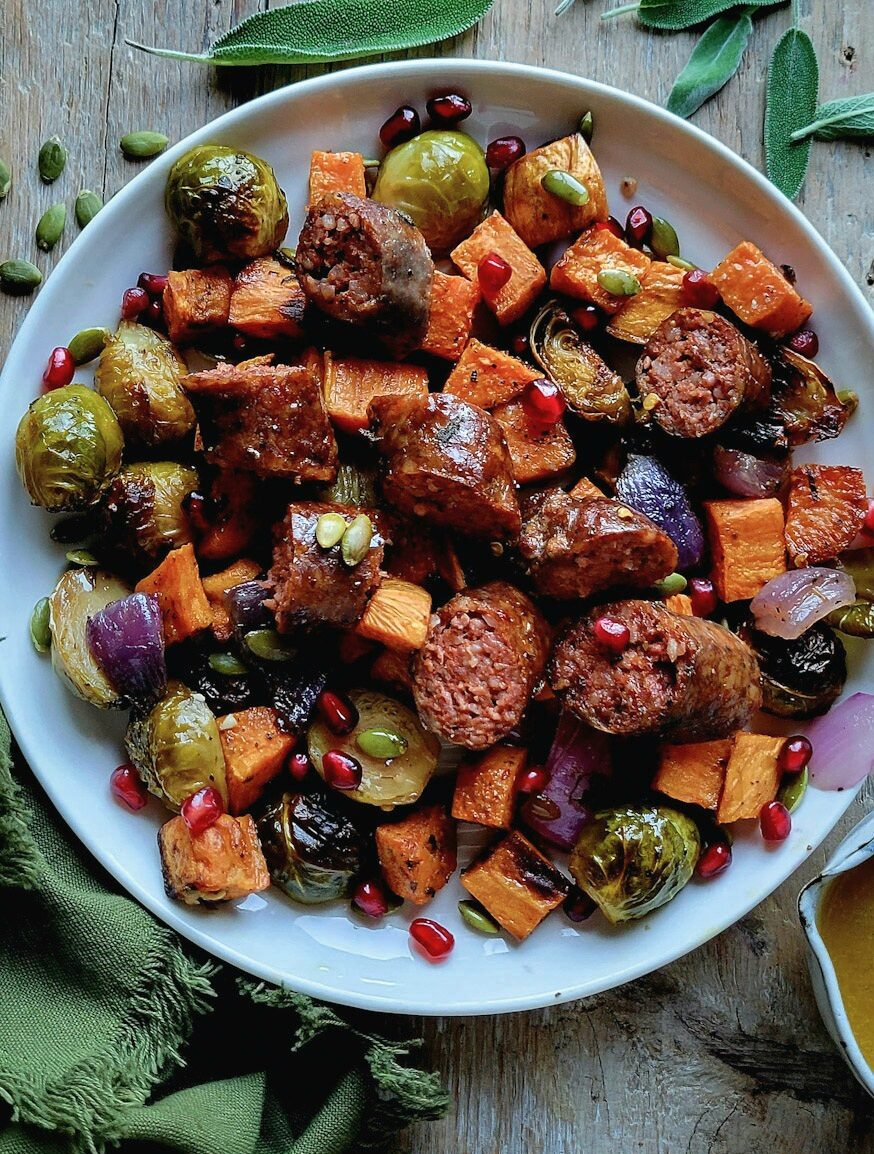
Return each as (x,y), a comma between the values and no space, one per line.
(447,462)
(484,656)
(680,678)
(700,369)
(364,263)
(579,546)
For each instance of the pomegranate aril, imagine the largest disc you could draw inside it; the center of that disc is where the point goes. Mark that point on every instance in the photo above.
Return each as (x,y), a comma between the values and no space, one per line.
(134,301)
(435,940)
(370,897)
(202,809)
(195,506)
(805,342)
(795,754)
(341,770)
(339,713)
(587,317)
(699,290)
(299,766)
(532,780)
(868,523)
(714,860)
(703,596)
(638,225)
(154,314)
(775,821)
(501,153)
(492,272)
(239,342)
(520,344)
(612,635)
(60,369)
(127,787)
(449,108)
(611,224)
(578,906)
(153,282)
(402,125)
(543,402)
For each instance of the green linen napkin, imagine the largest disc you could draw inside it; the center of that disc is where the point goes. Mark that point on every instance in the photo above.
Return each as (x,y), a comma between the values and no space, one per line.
(113,1031)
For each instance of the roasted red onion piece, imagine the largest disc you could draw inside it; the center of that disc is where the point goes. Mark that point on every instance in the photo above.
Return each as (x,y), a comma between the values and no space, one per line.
(789,604)
(843,744)
(744,475)
(128,645)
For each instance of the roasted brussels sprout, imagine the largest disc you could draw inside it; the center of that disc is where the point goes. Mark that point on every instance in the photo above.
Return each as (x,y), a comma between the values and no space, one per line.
(633,860)
(856,620)
(226,204)
(78,595)
(67,448)
(312,852)
(387,783)
(804,400)
(441,181)
(354,485)
(800,678)
(143,515)
(138,374)
(175,746)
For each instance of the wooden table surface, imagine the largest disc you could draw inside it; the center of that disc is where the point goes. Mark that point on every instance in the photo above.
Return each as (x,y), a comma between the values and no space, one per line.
(722,1052)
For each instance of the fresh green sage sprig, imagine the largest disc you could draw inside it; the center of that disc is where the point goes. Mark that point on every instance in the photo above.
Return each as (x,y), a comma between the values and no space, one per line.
(850,118)
(790,104)
(714,60)
(674,15)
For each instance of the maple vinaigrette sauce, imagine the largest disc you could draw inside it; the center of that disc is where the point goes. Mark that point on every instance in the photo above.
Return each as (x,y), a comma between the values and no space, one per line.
(846,925)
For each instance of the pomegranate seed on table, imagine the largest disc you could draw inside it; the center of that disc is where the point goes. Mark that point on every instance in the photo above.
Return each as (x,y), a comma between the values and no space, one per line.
(532,780)
(703,596)
(154,283)
(587,317)
(492,272)
(341,770)
(543,402)
(449,108)
(638,225)
(612,635)
(402,125)
(699,290)
(795,754)
(501,153)
(611,224)
(578,906)
(370,897)
(775,821)
(127,787)
(714,860)
(60,369)
(299,766)
(202,809)
(435,940)
(339,713)
(805,342)
(133,302)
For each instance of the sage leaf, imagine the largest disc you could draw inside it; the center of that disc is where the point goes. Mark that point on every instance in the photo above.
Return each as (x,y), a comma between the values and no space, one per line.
(714,60)
(315,31)
(849,118)
(673,15)
(790,104)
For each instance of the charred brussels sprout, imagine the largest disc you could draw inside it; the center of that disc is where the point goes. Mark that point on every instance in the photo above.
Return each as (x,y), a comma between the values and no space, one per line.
(226,204)
(143,515)
(139,374)
(631,861)
(800,678)
(312,852)
(78,595)
(67,448)
(441,181)
(175,746)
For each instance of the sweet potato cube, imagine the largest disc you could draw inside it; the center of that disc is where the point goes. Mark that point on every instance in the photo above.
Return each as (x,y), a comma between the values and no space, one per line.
(746,545)
(417,853)
(660,295)
(517,884)
(693,773)
(222,863)
(485,789)
(752,776)
(255,750)
(196,301)
(232,522)
(397,615)
(584,489)
(523,288)
(679,603)
(576,273)
(450,315)
(537,452)
(757,291)
(218,584)
(826,508)
(351,383)
(336,172)
(177,585)
(488,377)
(392,667)
(267,301)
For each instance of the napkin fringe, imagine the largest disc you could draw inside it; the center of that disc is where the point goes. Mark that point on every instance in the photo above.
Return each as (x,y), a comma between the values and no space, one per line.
(21,863)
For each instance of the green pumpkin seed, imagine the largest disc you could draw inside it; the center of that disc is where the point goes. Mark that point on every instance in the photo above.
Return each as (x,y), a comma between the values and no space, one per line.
(356,540)
(383,744)
(5,178)
(227,664)
(51,225)
(51,160)
(618,282)
(268,645)
(88,204)
(82,557)
(663,239)
(678,262)
(565,186)
(477,918)
(40,628)
(792,789)
(19,277)
(88,344)
(847,397)
(143,145)
(371,162)
(672,584)
(330,528)
(587,127)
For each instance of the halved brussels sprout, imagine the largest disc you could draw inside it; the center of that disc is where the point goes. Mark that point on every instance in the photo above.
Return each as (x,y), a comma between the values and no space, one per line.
(398,781)
(78,595)
(142,514)
(67,448)
(139,374)
(631,861)
(176,748)
(354,485)
(441,181)
(312,853)
(226,204)
(804,399)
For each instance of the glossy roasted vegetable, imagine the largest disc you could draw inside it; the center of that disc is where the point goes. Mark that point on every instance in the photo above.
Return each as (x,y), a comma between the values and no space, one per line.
(67,448)
(631,861)
(646,485)
(441,181)
(856,620)
(800,678)
(175,746)
(143,515)
(804,400)
(355,485)
(226,204)
(312,852)
(590,387)
(398,781)
(139,373)
(78,595)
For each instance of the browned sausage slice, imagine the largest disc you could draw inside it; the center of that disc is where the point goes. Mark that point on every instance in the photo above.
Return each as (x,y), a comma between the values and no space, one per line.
(680,678)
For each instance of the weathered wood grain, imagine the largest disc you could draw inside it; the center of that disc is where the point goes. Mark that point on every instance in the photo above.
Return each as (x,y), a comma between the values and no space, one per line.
(722,1052)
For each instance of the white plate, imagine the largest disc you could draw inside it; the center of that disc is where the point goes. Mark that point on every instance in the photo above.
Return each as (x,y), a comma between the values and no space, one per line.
(714,200)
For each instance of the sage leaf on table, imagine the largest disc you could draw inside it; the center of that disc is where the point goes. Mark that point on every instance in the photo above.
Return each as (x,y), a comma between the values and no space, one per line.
(714,60)
(315,31)
(790,104)
(852,117)
(674,15)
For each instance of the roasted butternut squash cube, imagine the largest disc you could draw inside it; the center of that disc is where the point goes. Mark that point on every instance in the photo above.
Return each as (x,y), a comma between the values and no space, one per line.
(517,884)
(232,522)
(757,291)
(660,295)
(826,508)
(255,750)
(528,280)
(752,776)
(222,863)
(196,301)
(351,383)
(397,615)
(746,545)
(176,583)
(488,377)
(537,452)
(450,315)
(693,773)
(336,172)
(485,788)
(598,249)
(215,587)
(267,301)
(417,853)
